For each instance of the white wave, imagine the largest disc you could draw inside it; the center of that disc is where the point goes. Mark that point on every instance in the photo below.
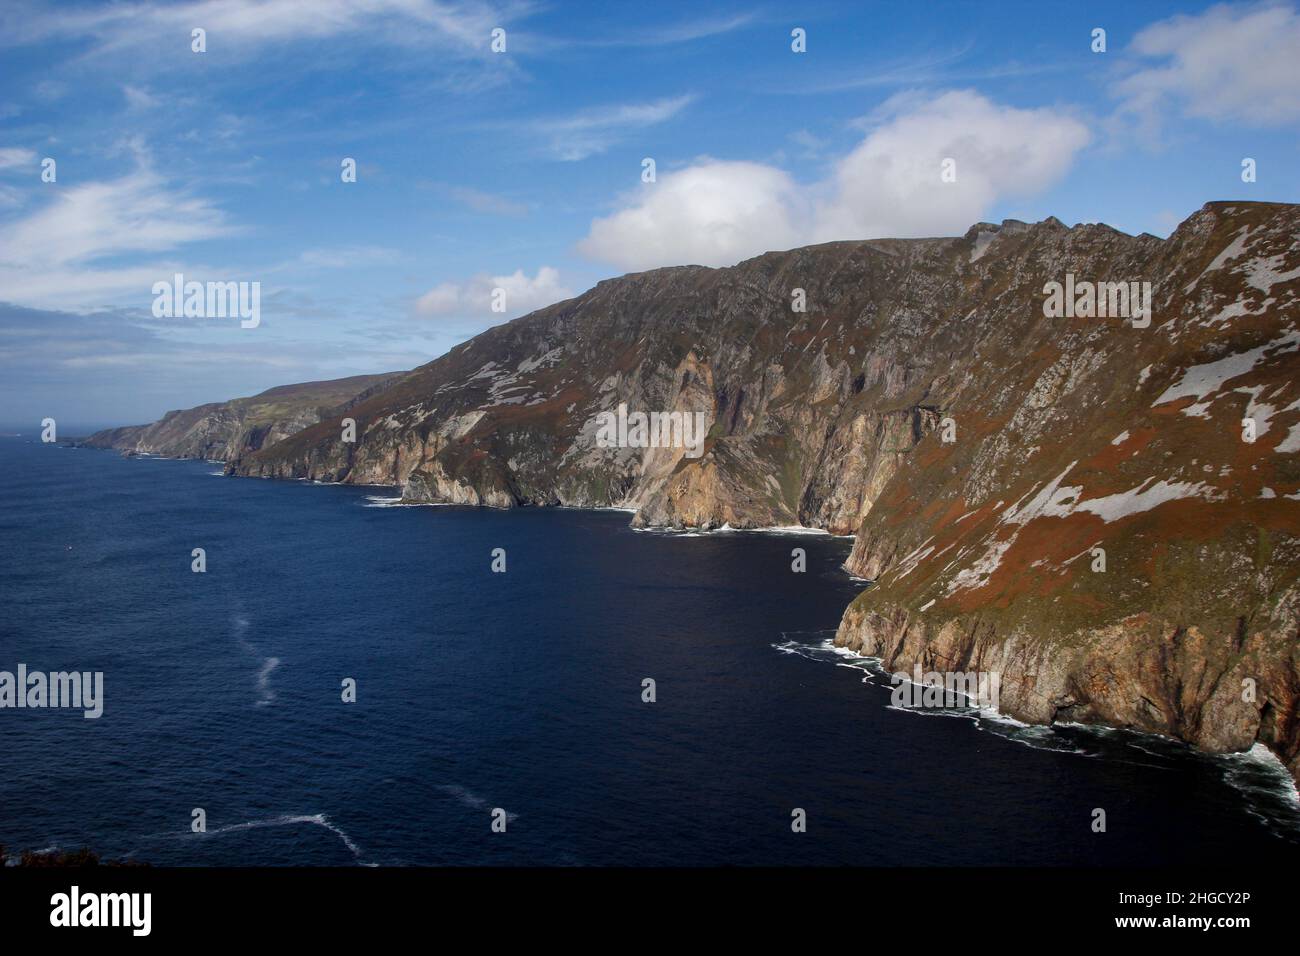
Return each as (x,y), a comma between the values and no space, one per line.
(986,718)
(1033,736)
(381,501)
(991,720)
(1261,758)
(791,529)
(315,819)
(239,625)
(824,650)
(14,860)
(694,532)
(472,800)
(264,681)
(217,474)
(1267,785)
(630,511)
(1269,790)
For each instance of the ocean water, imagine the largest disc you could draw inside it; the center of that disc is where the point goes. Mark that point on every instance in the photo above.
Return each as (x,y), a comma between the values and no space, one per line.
(522,690)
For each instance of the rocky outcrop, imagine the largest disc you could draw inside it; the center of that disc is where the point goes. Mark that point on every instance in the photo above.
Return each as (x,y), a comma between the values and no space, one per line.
(1142,672)
(221,431)
(1102,508)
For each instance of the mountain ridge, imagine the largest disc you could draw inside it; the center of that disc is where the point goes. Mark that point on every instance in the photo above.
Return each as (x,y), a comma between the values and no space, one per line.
(221,431)
(979,450)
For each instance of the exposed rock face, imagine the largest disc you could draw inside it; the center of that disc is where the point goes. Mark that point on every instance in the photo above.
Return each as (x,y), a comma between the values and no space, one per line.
(224,430)
(1133,441)
(980,449)
(808,413)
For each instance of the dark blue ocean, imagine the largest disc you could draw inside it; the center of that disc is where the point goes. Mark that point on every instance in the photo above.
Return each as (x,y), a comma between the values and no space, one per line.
(520,690)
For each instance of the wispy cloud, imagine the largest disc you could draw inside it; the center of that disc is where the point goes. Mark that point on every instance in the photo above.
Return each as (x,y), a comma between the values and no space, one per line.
(138,98)
(254,23)
(16,157)
(929,70)
(685,31)
(482,202)
(593,131)
(64,253)
(346,257)
(475,296)
(1226,64)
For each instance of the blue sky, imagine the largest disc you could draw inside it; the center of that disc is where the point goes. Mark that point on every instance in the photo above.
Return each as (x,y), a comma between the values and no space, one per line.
(522,170)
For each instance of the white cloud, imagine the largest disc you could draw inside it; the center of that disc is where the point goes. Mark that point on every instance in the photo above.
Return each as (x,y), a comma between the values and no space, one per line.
(475,295)
(890,184)
(642,36)
(137,213)
(1227,63)
(450,39)
(56,256)
(256,22)
(717,213)
(684,32)
(810,145)
(712,213)
(593,131)
(15,157)
(138,98)
(488,203)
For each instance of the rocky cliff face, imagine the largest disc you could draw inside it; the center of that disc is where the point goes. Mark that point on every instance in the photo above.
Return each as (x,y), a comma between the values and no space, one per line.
(1116,529)
(221,431)
(808,413)
(1104,510)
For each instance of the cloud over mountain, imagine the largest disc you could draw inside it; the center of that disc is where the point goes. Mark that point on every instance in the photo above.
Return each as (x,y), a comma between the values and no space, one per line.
(892,184)
(474,296)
